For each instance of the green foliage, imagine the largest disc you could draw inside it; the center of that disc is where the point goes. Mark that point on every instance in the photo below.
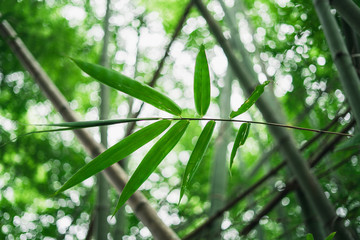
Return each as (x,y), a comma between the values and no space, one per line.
(196,156)
(35,166)
(152,159)
(309,236)
(131,87)
(117,152)
(251,100)
(331,236)
(240,139)
(201,83)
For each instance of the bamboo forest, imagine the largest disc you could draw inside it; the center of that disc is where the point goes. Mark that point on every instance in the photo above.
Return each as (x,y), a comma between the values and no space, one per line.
(180,119)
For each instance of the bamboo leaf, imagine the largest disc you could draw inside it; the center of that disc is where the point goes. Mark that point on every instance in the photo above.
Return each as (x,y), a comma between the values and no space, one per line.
(331,236)
(151,160)
(309,236)
(197,156)
(117,152)
(129,86)
(251,100)
(350,143)
(240,139)
(201,83)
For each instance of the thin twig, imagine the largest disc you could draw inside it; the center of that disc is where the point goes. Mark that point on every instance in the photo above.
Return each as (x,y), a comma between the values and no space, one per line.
(87,124)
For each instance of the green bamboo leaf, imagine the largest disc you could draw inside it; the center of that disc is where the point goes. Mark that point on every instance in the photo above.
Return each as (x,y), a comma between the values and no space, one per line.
(151,160)
(331,236)
(117,152)
(251,100)
(350,143)
(197,156)
(309,236)
(239,140)
(201,83)
(129,86)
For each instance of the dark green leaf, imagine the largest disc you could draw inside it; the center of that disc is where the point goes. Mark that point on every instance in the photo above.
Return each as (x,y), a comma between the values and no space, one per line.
(251,100)
(201,83)
(129,86)
(151,160)
(350,143)
(239,140)
(309,236)
(117,152)
(197,156)
(331,236)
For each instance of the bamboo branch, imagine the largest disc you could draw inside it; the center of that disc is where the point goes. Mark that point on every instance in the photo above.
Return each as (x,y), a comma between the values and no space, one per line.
(114,174)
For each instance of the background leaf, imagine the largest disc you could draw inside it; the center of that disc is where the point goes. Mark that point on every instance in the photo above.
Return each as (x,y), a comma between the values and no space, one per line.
(117,152)
(197,155)
(309,236)
(240,139)
(129,86)
(151,160)
(201,83)
(251,100)
(331,236)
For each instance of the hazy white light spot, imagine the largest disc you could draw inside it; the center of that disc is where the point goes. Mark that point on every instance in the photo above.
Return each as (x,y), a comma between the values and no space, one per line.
(160,193)
(144,232)
(248,215)
(168,171)
(225,224)
(173,197)
(88,182)
(63,223)
(282,3)
(285,201)
(264,220)
(341,212)
(184,157)
(321,61)
(9,194)
(283,85)
(312,68)
(339,95)
(96,33)
(75,15)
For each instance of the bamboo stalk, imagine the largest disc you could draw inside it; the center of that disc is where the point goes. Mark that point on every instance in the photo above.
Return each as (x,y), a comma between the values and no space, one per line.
(114,174)
(102,200)
(340,55)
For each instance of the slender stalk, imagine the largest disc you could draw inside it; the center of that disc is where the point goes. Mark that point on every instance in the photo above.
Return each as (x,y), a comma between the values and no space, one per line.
(102,201)
(340,54)
(87,124)
(219,169)
(114,174)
